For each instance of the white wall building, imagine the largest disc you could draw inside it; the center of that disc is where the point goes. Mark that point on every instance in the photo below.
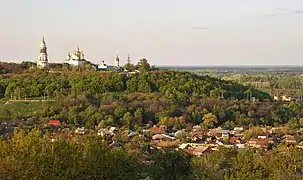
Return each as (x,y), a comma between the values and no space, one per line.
(76,59)
(43,57)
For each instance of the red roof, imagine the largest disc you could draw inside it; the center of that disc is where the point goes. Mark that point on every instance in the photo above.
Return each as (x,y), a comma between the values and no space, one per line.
(234,139)
(260,142)
(157,130)
(54,122)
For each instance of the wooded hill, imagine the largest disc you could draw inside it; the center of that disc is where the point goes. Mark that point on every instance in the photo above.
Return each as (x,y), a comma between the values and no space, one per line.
(179,85)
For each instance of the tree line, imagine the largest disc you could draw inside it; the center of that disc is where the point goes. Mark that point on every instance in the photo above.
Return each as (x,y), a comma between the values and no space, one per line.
(30,155)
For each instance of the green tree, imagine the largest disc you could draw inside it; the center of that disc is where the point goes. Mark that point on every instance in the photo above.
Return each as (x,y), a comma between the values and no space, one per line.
(130,67)
(128,120)
(176,163)
(144,86)
(143,65)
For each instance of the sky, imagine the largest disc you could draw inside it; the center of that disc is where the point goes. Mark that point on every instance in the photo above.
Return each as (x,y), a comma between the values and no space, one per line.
(170,32)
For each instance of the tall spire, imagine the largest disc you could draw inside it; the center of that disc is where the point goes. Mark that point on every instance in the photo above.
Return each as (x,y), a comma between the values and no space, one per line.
(43,57)
(128,63)
(128,59)
(117,61)
(42,44)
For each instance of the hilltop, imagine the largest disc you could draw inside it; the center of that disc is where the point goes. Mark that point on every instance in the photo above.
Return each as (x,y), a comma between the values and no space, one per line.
(179,84)
(102,93)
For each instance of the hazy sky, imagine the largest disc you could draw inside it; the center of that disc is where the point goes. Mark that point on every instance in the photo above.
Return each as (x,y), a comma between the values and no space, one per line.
(167,32)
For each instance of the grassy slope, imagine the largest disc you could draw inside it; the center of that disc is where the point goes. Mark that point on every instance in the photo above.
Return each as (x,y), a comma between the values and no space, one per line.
(18,110)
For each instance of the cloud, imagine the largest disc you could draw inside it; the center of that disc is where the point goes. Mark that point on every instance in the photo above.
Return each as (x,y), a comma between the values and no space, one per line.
(278,11)
(289,10)
(298,11)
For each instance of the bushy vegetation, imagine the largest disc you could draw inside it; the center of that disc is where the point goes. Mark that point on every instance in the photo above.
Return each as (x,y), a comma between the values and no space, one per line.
(178,100)
(31,156)
(174,99)
(179,84)
(6,68)
(289,84)
(109,98)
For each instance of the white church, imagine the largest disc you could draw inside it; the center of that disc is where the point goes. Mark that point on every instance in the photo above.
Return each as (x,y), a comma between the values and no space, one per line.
(43,57)
(75,59)
(104,66)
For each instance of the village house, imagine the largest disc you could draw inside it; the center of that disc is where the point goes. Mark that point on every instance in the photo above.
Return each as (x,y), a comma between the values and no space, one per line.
(158,137)
(213,132)
(195,148)
(80,131)
(211,139)
(289,140)
(260,143)
(103,132)
(263,136)
(157,130)
(238,129)
(186,146)
(200,150)
(54,123)
(234,140)
(198,136)
(167,145)
(224,133)
(113,130)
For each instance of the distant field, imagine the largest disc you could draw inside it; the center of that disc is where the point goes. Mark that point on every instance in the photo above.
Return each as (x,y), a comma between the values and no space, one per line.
(238,69)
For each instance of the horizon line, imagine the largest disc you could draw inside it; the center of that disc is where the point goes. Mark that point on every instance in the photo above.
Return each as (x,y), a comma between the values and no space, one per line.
(187,65)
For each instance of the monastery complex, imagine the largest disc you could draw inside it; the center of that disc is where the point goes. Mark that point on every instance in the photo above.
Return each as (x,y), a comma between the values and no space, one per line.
(75,58)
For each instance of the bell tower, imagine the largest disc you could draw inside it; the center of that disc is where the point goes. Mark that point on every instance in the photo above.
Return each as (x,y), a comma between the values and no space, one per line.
(43,57)
(117,61)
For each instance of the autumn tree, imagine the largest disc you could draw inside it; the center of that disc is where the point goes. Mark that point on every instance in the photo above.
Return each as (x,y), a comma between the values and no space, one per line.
(209,120)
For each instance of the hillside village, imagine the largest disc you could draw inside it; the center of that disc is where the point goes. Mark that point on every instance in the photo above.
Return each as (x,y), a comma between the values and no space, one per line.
(195,140)
(151,90)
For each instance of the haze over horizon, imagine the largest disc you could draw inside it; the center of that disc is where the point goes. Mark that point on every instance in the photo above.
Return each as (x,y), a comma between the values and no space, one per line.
(171,32)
